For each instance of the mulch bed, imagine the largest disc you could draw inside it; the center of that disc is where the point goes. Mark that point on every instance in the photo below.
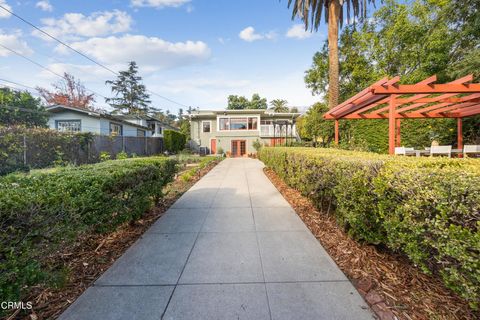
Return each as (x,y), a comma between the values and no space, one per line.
(93,254)
(390,284)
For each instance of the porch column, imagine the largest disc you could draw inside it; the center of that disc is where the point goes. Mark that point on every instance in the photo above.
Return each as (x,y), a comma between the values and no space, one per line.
(398,134)
(336,132)
(459,133)
(391,124)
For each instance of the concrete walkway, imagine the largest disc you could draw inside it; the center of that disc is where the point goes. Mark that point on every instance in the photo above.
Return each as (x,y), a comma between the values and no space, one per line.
(229,248)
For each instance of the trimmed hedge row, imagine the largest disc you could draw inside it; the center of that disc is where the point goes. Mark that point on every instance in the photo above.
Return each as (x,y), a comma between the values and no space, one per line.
(429,209)
(174,140)
(46,210)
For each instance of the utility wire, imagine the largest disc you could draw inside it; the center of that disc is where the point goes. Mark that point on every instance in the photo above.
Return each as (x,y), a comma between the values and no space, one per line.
(18,84)
(82,54)
(45,68)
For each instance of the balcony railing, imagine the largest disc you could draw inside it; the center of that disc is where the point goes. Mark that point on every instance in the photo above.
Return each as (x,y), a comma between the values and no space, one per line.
(278,131)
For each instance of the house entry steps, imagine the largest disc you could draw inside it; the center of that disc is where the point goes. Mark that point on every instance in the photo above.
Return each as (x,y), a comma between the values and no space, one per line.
(230,248)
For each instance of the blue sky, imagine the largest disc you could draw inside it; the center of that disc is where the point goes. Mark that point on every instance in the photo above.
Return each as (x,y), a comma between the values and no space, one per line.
(196,52)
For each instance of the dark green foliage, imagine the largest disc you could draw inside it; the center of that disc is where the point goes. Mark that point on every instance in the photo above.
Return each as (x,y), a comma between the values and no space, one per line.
(174,140)
(240,102)
(44,147)
(44,212)
(411,40)
(130,95)
(21,108)
(428,209)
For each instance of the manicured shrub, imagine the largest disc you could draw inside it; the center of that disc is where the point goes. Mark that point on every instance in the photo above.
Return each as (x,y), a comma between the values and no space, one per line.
(174,140)
(428,209)
(44,211)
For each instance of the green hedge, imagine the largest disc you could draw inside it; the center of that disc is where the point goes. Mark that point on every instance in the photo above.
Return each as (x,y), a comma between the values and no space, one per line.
(46,210)
(429,209)
(174,140)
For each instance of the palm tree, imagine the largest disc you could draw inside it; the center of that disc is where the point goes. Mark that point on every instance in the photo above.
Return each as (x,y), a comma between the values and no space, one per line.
(310,11)
(279,105)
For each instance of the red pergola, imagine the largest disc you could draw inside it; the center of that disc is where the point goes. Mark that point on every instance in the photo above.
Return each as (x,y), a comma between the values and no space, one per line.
(386,99)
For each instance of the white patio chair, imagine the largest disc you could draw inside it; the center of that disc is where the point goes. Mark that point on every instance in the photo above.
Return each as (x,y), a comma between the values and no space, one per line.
(471,149)
(441,151)
(403,151)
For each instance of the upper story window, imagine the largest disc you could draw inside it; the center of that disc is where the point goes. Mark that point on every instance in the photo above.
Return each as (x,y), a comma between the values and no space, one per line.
(116,129)
(69,125)
(206,126)
(238,123)
(266,122)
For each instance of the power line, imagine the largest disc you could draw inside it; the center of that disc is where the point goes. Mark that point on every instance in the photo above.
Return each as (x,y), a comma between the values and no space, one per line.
(18,84)
(82,54)
(43,67)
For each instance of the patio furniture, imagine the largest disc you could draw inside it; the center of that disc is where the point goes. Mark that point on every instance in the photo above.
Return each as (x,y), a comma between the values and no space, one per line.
(441,150)
(471,149)
(403,151)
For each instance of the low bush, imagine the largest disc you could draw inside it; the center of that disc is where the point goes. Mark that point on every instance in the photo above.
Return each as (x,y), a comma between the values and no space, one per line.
(203,162)
(174,140)
(45,211)
(428,209)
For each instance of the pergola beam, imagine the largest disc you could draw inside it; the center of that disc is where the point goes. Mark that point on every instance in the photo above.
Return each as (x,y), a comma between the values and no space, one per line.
(430,89)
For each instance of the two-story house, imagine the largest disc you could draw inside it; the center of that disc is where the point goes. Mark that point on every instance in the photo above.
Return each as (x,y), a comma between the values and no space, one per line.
(235,131)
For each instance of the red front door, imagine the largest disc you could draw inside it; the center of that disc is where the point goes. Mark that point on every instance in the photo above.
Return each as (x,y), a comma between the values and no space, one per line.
(213,146)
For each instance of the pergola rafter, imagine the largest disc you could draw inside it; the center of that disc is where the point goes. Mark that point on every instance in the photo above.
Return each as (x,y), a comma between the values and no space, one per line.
(387,99)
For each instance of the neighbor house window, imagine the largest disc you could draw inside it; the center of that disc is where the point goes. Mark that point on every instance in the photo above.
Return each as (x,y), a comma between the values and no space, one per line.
(265,122)
(115,129)
(140,133)
(69,125)
(206,126)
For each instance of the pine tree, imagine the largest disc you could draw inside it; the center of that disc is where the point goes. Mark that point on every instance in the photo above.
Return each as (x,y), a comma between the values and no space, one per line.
(130,94)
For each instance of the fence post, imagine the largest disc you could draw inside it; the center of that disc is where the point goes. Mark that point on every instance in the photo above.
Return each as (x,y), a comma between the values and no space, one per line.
(146,141)
(123,143)
(24,149)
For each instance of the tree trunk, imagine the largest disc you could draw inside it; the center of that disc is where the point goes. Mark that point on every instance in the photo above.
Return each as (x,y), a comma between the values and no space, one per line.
(333,72)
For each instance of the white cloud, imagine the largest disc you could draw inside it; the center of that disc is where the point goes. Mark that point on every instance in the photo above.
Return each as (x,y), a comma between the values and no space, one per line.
(44,5)
(159,4)
(248,34)
(5,14)
(14,42)
(151,53)
(297,31)
(74,25)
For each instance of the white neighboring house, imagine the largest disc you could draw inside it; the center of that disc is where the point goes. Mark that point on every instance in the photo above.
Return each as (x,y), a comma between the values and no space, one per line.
(72,119)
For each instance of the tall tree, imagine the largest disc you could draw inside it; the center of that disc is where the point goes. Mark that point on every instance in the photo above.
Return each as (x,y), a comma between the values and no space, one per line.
(68,92)
(310,11)
(130,94)
(279,105)
(312,126)
(21,108)
(240,102)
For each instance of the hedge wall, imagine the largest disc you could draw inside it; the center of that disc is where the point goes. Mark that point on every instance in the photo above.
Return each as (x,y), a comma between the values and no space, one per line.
(46,210)
(174,140)
(429,209)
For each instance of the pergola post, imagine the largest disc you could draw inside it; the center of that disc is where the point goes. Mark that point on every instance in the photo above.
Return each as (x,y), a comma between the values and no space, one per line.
(391,124)
(398,142)
(459,133)
(336,132)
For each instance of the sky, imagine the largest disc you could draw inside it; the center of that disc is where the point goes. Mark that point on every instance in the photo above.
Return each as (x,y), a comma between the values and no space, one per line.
(194,52)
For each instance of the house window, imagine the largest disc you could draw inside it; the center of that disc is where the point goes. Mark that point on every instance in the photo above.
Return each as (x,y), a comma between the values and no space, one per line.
(160,130)
(140,133)
(252,123)
(224,124)
(238,123)
(69,125)
(206,126)
(115,129)
(266,122)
